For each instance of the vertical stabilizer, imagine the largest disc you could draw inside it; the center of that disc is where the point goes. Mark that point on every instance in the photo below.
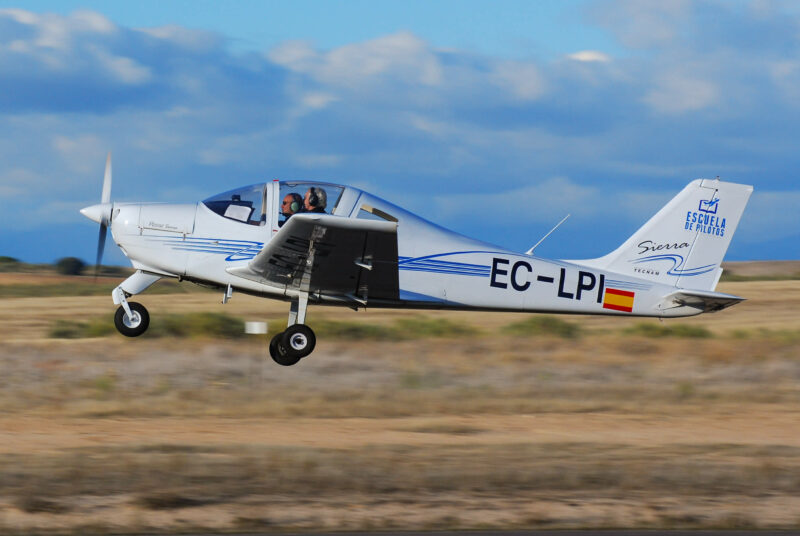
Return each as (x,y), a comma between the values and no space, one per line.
(685,242)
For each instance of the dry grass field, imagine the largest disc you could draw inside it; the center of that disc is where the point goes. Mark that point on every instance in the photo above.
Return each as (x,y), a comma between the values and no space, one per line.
(400,419)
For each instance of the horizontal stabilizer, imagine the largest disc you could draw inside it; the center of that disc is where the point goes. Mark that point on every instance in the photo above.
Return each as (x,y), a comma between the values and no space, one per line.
(704,300)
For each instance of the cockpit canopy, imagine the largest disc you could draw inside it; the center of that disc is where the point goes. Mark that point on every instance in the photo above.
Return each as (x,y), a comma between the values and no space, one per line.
(249,205)
(246,204)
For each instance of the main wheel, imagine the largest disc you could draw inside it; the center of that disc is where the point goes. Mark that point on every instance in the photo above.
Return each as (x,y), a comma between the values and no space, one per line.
(135,325)
(278,352)
(299,340)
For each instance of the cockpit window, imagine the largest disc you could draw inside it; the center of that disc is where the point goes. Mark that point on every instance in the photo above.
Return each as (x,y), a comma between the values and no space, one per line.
(243,204)
(297,197)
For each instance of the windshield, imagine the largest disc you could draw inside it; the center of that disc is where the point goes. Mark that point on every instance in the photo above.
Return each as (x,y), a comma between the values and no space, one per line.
(298,197)
(244,204)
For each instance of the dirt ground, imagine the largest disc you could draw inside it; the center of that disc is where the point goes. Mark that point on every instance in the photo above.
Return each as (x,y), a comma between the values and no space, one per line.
(763,268)
(484,430)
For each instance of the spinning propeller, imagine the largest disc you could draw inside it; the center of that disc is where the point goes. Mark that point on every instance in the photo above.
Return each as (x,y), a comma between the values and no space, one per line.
(101,214)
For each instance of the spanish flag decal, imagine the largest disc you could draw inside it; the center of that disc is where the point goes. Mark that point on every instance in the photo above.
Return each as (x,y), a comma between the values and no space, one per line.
(618,300)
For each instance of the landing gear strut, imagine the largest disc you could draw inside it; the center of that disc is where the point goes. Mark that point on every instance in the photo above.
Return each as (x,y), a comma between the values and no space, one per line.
(298,340)
(131,318)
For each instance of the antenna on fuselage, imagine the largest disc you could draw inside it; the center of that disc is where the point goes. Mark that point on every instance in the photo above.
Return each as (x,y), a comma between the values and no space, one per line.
(530,251)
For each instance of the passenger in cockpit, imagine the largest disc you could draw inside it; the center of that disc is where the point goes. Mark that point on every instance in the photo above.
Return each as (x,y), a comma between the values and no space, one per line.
(315,200)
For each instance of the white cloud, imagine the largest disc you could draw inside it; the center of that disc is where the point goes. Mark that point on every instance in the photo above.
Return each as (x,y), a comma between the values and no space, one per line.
(785,74)
(92,22)
(83,153)
(295,55)
(189,39)
(58,32)
(640,205)
(53,211)
(772,215)
(401,56)
(398,113)
(427,125)
(590,56)
(318,100)
(521,79)
(20,15)
(20,182)
(544,202)
(676,93)
(316,161)
(640,24)
(125,70)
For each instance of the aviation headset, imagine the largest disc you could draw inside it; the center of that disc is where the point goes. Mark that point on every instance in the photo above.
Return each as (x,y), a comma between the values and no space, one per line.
(313,198)
(297,203)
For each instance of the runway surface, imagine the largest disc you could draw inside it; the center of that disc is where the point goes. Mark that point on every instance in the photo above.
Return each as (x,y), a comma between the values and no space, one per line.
(603,532)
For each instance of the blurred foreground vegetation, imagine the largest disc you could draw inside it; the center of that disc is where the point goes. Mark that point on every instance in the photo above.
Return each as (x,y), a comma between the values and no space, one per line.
(399,420)
(212,325)
(86,286)
(259,487)
(392,428)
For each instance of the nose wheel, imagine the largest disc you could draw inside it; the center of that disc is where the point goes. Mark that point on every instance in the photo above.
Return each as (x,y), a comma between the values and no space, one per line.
(292,345)
(134,322)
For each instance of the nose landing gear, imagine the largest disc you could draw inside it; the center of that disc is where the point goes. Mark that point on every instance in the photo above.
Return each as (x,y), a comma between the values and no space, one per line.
(132,322)
(131,318)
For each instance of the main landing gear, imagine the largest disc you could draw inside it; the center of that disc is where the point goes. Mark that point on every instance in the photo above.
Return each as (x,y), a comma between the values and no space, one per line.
(290,346)
(286,348)
(298,340)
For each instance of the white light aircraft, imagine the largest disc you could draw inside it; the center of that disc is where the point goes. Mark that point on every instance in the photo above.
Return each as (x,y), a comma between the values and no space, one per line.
(329,244)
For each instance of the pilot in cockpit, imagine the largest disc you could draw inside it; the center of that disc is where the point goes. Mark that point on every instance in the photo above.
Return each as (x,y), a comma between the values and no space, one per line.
(315,200)
(292,204)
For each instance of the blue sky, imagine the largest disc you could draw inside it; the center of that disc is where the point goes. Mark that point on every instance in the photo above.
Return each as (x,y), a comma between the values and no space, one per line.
(492,118)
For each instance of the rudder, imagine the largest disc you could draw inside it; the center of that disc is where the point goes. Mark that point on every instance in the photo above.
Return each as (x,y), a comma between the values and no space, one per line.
(684,243)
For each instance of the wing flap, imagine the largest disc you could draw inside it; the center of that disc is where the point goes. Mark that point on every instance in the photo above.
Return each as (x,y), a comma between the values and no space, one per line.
(322,254)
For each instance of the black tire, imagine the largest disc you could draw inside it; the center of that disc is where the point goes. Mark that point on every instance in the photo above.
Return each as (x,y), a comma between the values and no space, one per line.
(278,352)
(132,327)
(299,340)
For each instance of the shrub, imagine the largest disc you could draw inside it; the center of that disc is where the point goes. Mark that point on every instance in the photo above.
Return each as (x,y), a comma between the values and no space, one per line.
(67,329)
(544,325)
(648,329)
(75,329)
(70,266)
(354,330)
(8,264)
(213,325)
(99,327)
(168,501)
(420,326)
(416,327)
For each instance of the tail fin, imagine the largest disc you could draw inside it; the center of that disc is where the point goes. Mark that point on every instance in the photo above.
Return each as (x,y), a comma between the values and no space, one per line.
(684,243)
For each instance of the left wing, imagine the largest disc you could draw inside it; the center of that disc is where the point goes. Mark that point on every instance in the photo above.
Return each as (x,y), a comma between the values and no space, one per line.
(330,255)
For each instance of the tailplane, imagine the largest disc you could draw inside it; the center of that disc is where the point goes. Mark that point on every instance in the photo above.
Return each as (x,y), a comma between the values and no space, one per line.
(684,243)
